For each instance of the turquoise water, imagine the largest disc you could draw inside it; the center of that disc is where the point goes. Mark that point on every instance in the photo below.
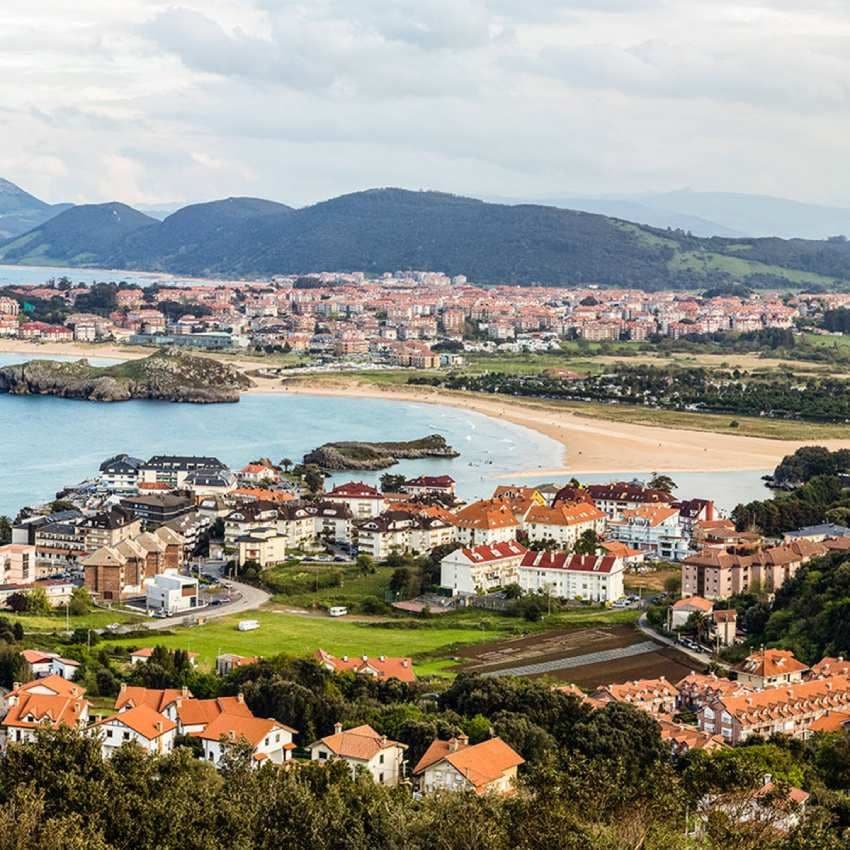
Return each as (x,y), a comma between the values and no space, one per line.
(47,443)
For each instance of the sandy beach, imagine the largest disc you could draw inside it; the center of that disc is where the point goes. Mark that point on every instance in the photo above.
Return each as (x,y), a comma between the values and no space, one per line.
(591,445)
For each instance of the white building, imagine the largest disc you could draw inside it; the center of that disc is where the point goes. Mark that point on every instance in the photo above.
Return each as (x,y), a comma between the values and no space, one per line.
(480,569)
(486,522)
(142,726)
(563,524)
(363,748)
(654,530)
(566,576)
(263,546)
(486,768)
(171,593)
(269,740)
(362,499)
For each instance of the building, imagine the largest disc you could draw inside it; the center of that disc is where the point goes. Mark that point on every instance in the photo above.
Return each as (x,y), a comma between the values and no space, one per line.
(227,662)
(681,610)
(480,569)
(363,748)
(770,668)
(120,474)
(653,529)
(485,523)
(613,499)
(173,469)
(269,740)
(657,697)
(430,485)
(17,564)
(378,667)
(194,715)
(456,765)
(108,528)
(402,531)
(162,700)
(564,523)
(171,593)
(158,508)
(49,703)
(141,725)
(41,664)
(699,689)
(786,710)
(363,500)
(597,578)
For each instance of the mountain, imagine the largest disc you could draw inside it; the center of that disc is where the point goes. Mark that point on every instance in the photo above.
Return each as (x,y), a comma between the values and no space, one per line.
(196,238)
(20,211)
(382,230)
(77,237)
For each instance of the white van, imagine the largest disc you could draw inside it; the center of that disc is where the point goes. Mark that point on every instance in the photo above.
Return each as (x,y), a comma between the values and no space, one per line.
(247,625)
(337,611)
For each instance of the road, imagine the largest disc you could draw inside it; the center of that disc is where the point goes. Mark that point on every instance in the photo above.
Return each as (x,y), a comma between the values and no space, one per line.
(702,657)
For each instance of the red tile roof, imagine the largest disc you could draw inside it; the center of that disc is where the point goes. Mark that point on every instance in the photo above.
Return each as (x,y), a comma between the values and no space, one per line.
(480,764)
(567,561)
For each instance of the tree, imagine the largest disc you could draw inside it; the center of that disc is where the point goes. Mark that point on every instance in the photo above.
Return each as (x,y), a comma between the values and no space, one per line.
(5,530)
(18,602)
(662,482)
(37,602)
(391,483)
(587,544)
(11,666)
(286,463)
(365,564)
(313,479)
(81,602)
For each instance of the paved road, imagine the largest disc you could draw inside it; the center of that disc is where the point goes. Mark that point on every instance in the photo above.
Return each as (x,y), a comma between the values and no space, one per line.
(576,661)
(643,625)
(245,598)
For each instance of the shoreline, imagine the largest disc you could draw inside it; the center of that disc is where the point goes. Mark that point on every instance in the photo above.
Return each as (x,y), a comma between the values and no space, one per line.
(589,445)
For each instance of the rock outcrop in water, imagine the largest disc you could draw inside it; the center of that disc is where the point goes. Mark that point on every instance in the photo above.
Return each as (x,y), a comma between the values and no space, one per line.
(368,456)
(167,375)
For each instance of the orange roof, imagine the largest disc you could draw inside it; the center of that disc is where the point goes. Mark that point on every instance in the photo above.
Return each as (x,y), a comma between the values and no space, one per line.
(832,721)
(653,514)
(196,712)
(57,685)
(798,692)
(480,764)
(491,514)
(33,710)
(158,700)
(641,690)
(381,666)
(620,550)
(697,602)
(828,666)
(143,720)
(238,727)
(565,514)
(359,743)
(154,485)
(771,662)
(261,495)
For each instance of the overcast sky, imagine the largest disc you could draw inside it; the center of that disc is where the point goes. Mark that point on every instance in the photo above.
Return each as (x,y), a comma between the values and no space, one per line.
(147,101)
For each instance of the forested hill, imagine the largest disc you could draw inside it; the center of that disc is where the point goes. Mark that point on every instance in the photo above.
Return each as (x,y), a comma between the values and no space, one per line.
(384,230)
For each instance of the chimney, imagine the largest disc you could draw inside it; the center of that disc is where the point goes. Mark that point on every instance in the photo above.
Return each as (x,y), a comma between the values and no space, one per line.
(240,697)
(383,741)
(364,657)
(337,728)
(382,657)
(158,725)
(123,688)
(453,745)
(345,658)
(185,691)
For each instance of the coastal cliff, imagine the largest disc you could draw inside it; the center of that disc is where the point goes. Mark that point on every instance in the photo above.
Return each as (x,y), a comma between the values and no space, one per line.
(368,456)
(167,375)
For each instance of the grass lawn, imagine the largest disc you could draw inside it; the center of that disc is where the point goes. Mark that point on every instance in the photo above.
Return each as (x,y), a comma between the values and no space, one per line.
(354,589)
(431,642)
(97,619)
(651,581)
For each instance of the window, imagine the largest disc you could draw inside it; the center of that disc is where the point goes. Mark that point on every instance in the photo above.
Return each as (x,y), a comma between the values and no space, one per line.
(381,759)
(381,778)
(322,755)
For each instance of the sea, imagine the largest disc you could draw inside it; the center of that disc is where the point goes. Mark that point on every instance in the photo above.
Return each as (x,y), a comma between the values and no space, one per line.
(37,275)
(48,443)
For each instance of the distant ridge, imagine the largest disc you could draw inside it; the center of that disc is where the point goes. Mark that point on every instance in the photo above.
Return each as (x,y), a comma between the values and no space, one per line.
(383,230)
(20,211)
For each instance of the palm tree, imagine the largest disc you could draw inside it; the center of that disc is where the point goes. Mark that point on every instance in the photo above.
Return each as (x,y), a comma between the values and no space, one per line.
(286,463)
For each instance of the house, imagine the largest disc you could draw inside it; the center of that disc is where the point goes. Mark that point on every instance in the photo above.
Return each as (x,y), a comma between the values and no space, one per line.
(171,593)
(429,485)
(654,529)
(172,470)
(52,702)
(564,523)
(402,531)
(724,627)
(682,609)
(332,521)
(629,556)
(699,689)
(264,546)
(378,667)
(769,668)
(227,662)
(258,473)
(158,508)
(485,523)
(141,725)
(246,518)
(817,533)
(598,578)
(363,500)
(482,568)
(194,715)
(613,499)
(456,765)
(363,748)
(120,474)
(693,512)
(41,664)
(162,700)
(210,482)
(17,564)
(269,740)
(108,528)
(657,697)
(683,738)
(786,710)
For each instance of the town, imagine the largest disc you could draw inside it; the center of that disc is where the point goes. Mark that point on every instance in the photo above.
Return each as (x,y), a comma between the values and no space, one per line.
(421,320)
(182,540)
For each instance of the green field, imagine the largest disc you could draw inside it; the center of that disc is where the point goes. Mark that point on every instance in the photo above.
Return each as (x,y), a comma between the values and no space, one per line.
(355,587)
(98,619)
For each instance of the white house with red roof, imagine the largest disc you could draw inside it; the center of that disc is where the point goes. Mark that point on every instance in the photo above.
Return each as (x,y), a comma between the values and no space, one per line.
(142,725)
(456,765)
(52,703)
(427,485)
(363,748)
(486,522)
(258,473)
(363,500)
(194,715)
(654,529)
(598,578)
(41,664)
(563,523)
(470,570)
(269,740)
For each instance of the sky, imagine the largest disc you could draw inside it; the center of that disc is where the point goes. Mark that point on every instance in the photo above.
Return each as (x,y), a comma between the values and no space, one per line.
(156,102)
